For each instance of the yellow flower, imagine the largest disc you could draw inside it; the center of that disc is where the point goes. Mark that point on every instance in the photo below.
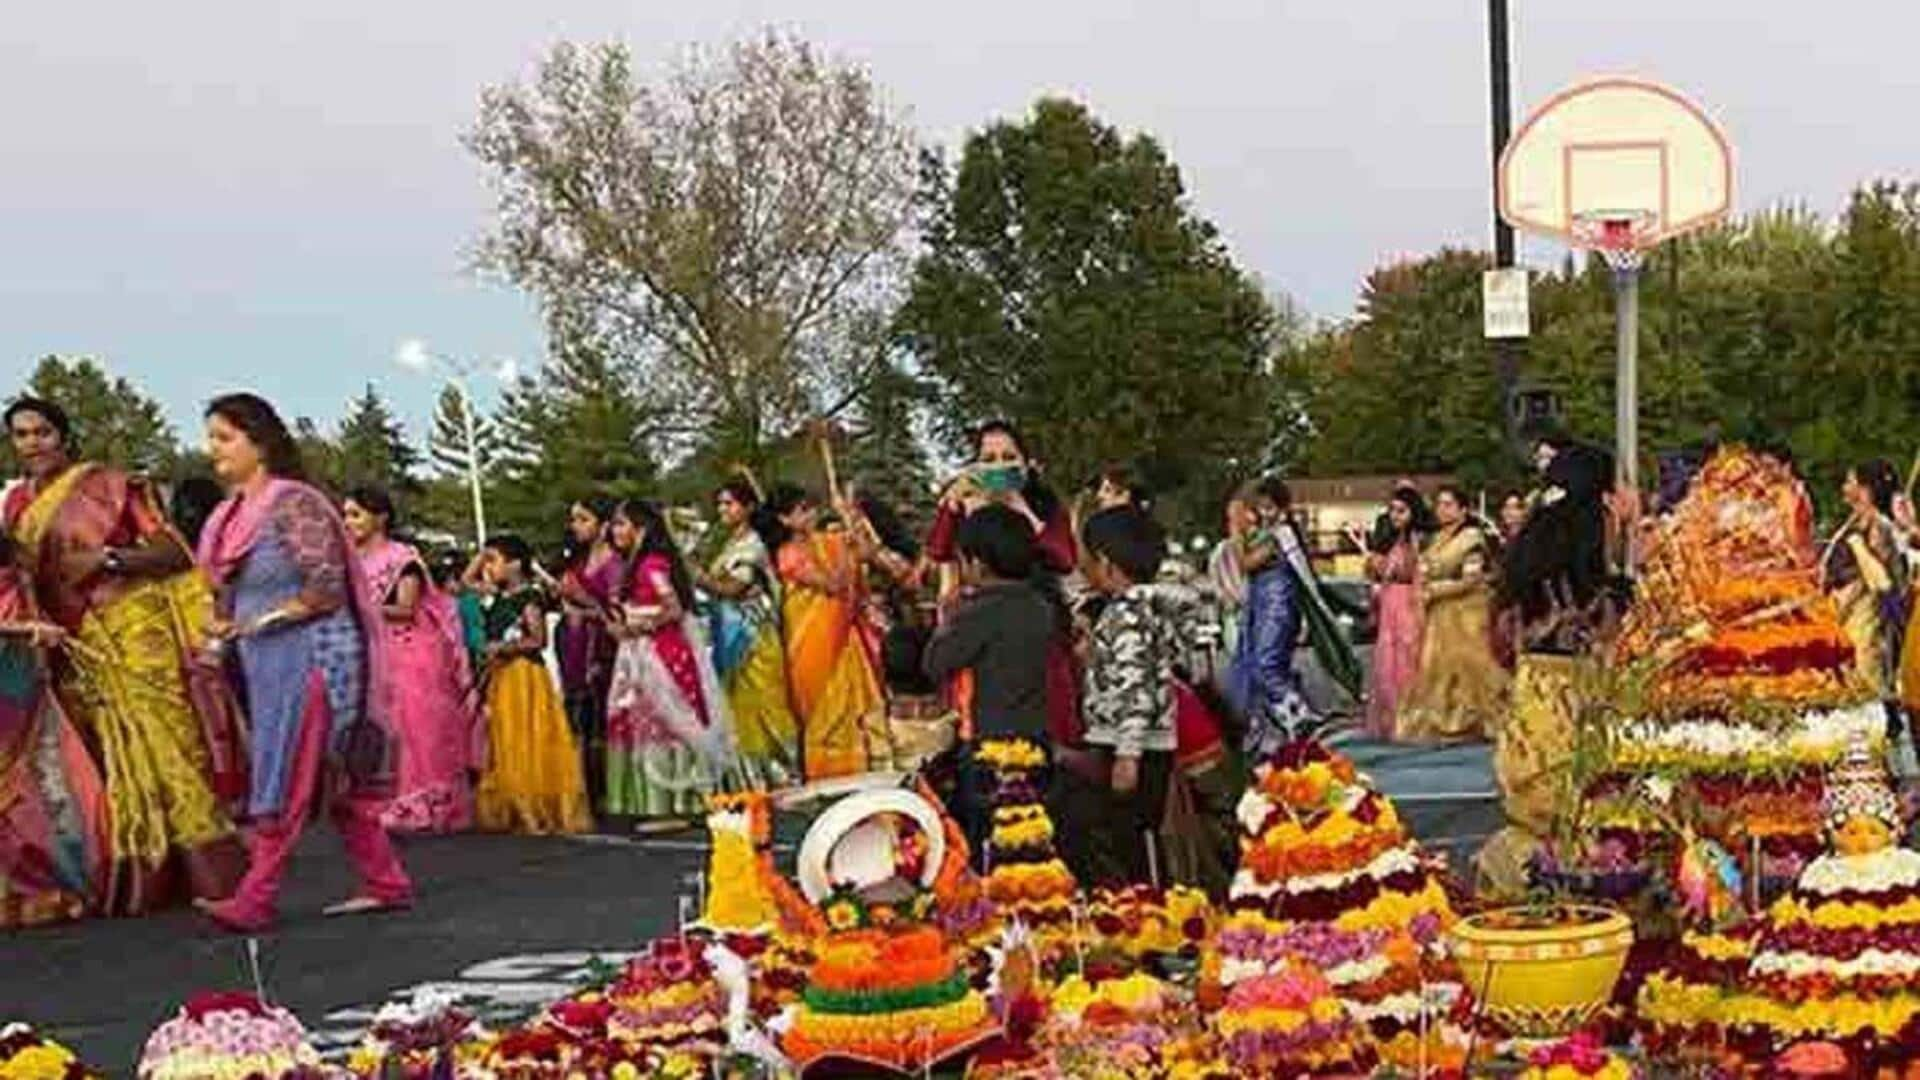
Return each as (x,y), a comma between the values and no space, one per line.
(46,1061)
(625,1070)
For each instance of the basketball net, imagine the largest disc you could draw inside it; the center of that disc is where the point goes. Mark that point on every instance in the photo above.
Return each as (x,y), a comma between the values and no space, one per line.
(1618,236)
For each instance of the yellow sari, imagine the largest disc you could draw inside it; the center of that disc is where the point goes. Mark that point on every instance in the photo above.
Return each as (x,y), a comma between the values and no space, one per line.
(1461,688)
(835,689)
(125,683)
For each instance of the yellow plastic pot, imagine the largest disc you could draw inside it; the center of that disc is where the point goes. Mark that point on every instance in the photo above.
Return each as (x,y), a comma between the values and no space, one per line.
(1543,981)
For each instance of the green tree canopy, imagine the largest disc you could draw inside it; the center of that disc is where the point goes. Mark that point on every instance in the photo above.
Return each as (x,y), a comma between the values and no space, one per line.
(114,423)
(1068,285)
(731,230)
(374,449)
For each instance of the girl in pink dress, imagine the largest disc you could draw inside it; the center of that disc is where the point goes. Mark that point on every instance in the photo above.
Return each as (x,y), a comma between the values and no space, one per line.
(431,693)
(667,731)
(1395,574)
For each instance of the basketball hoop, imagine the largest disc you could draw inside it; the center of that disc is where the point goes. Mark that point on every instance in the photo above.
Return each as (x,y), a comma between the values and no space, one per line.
(1621,237)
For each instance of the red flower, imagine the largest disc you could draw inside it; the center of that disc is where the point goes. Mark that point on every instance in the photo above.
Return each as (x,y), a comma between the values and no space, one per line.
(201,1006)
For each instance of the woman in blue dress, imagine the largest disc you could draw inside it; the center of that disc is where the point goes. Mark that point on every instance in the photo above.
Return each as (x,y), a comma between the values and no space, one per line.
(1282,594)
(294,614)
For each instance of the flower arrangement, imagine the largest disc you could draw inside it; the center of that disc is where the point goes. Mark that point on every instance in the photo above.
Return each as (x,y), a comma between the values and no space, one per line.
(1286,1023)
(229,1036)
(667,995)
(25,1054)
(1581,1057)
(1816,740)
(740,827)
(1019,827)
(1014,755)
(847,908)
(410,1040)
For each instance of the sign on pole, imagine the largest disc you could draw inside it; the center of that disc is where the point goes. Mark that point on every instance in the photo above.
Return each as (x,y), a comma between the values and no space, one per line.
(1503,294)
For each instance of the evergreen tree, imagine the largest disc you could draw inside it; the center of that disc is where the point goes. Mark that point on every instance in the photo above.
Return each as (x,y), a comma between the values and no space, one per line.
(887,458)
(447,443)
(373,447)
(578,427)
(319,455)
(114,423)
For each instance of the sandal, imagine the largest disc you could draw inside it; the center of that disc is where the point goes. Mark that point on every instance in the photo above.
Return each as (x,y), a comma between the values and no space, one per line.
(364,905)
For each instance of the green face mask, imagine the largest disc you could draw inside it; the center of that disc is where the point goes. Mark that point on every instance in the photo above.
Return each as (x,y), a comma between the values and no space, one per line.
(1000,479)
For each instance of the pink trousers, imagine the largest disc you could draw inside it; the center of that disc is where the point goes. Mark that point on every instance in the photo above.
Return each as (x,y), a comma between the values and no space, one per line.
(271,841)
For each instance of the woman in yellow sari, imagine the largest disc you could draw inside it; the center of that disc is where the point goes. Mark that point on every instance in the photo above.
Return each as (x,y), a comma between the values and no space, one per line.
(1461,688)
(107,568)
(836,691)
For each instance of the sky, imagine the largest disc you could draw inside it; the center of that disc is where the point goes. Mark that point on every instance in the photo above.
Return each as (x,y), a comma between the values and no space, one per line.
(272,195)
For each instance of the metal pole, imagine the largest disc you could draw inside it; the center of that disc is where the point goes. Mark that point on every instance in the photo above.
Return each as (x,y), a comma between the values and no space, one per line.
(1626,299)
(1506,351)
(473,461)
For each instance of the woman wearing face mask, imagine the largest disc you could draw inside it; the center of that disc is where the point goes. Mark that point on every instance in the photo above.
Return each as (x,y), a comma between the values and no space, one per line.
(427,666)
(835,683)
(1003,473)
(294,608)
(1461,687)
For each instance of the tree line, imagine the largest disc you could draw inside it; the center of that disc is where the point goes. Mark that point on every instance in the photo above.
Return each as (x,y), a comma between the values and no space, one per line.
(752,248)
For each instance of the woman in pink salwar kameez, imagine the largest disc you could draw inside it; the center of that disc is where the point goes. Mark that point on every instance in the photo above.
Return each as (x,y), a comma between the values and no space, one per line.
(1395,573)
(293,613)
(431,692)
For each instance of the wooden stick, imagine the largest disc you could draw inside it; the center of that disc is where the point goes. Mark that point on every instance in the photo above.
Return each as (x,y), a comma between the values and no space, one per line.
(744,472)
(826,458)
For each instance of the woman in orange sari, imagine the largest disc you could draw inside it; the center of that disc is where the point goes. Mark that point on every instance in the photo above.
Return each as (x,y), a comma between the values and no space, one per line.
(836,690)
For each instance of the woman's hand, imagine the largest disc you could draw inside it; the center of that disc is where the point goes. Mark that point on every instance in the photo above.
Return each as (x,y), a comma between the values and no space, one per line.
(46,635)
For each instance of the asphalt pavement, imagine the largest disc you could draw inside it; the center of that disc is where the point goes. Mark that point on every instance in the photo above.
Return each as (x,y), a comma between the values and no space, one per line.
(508,922)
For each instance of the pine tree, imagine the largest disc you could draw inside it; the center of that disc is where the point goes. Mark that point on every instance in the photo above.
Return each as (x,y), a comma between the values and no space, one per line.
(114,422)
(888,459)
(447,442)
(578,428)
(374,448)
(319,455)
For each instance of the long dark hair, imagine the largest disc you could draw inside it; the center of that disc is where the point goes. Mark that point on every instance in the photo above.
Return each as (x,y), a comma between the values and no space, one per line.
(781,501)
(655,539)
(1040,497)
(375,500)
(760,516)
(1420,517)
(893,532)
(193,502)
(1882,482)
(573,553)
(264,428)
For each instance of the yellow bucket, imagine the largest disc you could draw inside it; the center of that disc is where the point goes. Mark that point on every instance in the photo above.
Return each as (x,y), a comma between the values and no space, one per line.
(1543,981)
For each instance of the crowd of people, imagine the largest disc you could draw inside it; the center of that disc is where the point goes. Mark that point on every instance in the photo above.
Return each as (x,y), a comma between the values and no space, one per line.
(181,692)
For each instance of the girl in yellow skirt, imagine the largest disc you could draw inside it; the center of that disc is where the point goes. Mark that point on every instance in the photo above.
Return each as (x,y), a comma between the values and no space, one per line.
(533,781)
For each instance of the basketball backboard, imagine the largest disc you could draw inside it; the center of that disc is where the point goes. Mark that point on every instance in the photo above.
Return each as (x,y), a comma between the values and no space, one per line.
(1616,161)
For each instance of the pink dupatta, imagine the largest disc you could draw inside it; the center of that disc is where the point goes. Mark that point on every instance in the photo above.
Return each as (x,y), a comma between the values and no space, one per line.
(228,540)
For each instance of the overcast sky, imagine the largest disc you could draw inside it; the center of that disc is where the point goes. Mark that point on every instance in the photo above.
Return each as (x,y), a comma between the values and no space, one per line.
(205,193)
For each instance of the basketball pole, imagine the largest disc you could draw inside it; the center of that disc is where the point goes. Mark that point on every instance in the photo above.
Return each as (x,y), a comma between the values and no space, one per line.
(1506,351)
(1626,330)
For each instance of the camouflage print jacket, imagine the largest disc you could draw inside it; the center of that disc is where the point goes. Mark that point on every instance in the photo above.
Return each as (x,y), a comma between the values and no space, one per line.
(1142,635)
